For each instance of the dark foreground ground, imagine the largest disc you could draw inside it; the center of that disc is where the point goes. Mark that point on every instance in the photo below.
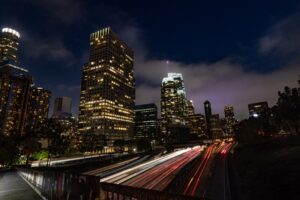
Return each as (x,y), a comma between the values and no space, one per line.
(13,187)
(269,169)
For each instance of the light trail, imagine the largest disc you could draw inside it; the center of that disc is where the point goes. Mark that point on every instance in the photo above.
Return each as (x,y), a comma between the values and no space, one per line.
(125,175)
(110,167)
(200,166)
(161,174)
(64,160)
(203,168)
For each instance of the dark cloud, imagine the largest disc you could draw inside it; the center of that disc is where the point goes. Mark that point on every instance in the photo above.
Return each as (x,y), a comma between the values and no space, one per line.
(283,39)
(49,49)
(66,11)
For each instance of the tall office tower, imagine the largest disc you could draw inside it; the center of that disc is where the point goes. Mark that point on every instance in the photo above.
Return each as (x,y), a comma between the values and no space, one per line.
(15,83)
(215,125)
(145,121)
(196,123)
(107,89)
(9,43)
(38,107)
(228,112)
(258,109)
(208,114)
(190,107)
(230,121)
(173,102)
(62,107)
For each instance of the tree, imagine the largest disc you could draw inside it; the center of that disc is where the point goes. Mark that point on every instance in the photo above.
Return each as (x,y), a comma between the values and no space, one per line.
(9,149)
(57,143)
(288,109)
(29,146)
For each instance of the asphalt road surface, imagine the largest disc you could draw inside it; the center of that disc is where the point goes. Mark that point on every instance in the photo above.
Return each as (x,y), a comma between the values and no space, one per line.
(13,187)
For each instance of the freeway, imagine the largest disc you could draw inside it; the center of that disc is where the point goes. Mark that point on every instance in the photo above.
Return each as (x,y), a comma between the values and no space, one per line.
(208,176)
(117,167)
(220,186)
(155,174)
(68,160)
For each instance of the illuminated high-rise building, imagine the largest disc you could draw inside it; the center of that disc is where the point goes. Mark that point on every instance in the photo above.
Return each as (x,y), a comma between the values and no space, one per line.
(38,107)
(208,114)
(107,89)
(190,107)
(145,121)
(15,84)
(22,105)
(215,127)
(196,123)
(230,121)
(173,102)
(9,43)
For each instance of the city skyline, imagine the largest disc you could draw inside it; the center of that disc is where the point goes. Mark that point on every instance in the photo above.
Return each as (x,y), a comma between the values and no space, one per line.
(212,75)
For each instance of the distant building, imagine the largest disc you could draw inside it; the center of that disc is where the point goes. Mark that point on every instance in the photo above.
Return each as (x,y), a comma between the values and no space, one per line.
(107,89)
(208,114)
(145,121)
(9,45)
(258,109)
(38,107)
(173,103)
(216,129)
(229,120)
(62,107)
(196,123)
(190,107)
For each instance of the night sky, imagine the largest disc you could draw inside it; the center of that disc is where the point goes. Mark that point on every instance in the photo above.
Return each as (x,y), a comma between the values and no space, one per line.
(230,52)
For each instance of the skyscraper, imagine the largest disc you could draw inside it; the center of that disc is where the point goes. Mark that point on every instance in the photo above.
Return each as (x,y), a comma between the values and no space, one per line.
(230,121)
(62,107)
(208,114)
(22,105)
(145,121)
(107,88)
(215,127)
(9,43)
(190,107)
(15,83)
(196,123)
(173,102)
(38,107)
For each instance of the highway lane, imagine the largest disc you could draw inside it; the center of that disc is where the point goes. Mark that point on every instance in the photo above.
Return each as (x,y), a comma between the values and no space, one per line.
(158,173)
(117,167)
(101,170)
(198,173)
(160,176)
(208,177)
(220,185)
(134,171)
(63,161)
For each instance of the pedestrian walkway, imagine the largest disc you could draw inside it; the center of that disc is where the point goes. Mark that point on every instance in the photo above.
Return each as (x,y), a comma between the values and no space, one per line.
(13,187)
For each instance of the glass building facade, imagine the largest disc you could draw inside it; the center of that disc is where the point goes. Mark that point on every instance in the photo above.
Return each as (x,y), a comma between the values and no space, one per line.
(15,83)
(22,105)
(145,121)
(38,107)
(107,89)
(173,102)
(9,43)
